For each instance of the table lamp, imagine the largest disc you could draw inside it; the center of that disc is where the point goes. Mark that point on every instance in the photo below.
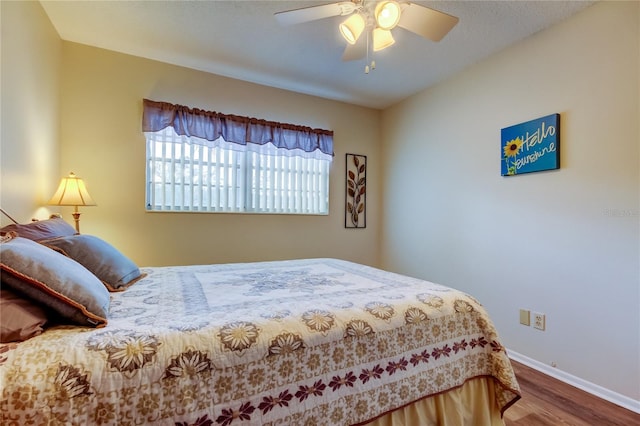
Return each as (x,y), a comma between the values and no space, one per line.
(72,192)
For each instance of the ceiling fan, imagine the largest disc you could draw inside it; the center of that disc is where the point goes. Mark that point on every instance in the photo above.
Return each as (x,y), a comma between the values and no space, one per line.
(378,18)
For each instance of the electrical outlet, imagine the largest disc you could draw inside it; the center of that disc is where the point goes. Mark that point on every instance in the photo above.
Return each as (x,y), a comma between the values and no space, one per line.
(539,321)
(525,317)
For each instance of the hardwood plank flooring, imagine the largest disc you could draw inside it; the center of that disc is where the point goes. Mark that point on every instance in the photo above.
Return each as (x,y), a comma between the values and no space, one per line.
(547,401)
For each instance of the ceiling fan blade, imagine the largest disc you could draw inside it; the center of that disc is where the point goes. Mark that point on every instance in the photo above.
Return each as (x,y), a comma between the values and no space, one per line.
(426,22)
(312,13)
(356,51)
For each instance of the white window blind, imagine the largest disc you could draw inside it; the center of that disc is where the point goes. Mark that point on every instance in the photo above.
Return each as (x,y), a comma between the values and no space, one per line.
(217,177)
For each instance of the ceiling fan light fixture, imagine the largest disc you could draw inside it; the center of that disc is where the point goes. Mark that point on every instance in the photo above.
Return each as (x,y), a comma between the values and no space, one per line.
(382,39)
(352,27)
(387,14)
(347,7)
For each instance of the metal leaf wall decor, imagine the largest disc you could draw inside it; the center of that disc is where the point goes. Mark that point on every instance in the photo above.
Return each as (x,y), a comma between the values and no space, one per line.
(356,192)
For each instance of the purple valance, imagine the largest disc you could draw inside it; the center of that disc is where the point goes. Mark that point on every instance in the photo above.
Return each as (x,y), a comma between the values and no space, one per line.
(210,126)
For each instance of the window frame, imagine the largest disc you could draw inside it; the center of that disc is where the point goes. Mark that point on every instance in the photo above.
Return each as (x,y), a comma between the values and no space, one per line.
(245,180)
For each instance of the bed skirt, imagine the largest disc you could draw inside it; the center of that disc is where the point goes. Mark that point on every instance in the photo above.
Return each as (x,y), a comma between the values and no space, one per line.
(470,404)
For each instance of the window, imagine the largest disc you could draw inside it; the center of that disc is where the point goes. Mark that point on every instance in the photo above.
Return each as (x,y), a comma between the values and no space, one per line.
(196,174)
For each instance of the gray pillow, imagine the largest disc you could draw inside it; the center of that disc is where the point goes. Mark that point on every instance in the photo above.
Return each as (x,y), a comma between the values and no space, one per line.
(40,229)
(113,268)
(54,280)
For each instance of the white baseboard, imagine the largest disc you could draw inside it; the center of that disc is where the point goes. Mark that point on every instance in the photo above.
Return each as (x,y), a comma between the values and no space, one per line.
(592,388)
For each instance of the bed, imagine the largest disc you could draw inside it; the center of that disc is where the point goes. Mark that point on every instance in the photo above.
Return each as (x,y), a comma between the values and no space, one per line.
(297,342)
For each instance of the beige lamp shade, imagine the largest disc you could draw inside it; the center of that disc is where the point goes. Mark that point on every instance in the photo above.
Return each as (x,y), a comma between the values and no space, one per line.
(352,28)
(71,192)
(382,39)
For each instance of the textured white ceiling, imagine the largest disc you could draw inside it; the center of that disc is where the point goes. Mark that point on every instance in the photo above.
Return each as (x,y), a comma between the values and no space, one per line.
(243,40)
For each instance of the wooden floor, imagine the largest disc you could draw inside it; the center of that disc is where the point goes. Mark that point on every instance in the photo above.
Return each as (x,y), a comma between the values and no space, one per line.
(549,402)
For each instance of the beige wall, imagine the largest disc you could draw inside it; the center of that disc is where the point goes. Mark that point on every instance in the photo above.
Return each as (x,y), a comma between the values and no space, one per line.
(29,111)
(101,107)
(565,243)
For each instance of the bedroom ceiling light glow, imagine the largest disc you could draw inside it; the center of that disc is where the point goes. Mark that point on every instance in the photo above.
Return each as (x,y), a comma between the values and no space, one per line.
(387,14)
(72,192)
(379,23)
(352,28)
(382,39)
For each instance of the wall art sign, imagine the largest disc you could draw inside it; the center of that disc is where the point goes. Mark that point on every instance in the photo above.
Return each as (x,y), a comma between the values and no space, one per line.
(355,214)
(532,146)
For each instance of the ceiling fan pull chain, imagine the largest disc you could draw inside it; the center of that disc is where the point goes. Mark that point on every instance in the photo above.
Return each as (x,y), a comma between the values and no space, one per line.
(366,67)
(373,63)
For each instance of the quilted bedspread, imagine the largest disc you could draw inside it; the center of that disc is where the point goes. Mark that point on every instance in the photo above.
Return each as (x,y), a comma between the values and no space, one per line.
(317,342)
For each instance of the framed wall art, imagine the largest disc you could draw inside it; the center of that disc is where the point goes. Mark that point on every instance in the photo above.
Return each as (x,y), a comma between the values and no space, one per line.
(531,146)
(355,214)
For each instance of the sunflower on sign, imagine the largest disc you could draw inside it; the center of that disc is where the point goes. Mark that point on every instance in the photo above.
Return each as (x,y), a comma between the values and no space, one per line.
(511,149)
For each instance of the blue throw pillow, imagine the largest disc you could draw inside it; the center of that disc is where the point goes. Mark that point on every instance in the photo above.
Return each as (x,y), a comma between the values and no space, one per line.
(114,269)
(54,280)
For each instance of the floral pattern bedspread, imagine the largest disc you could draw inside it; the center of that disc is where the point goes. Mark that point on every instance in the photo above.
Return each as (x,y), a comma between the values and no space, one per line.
(300,342)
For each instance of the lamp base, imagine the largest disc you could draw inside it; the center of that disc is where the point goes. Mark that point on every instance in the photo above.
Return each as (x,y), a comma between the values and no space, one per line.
(76,218)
